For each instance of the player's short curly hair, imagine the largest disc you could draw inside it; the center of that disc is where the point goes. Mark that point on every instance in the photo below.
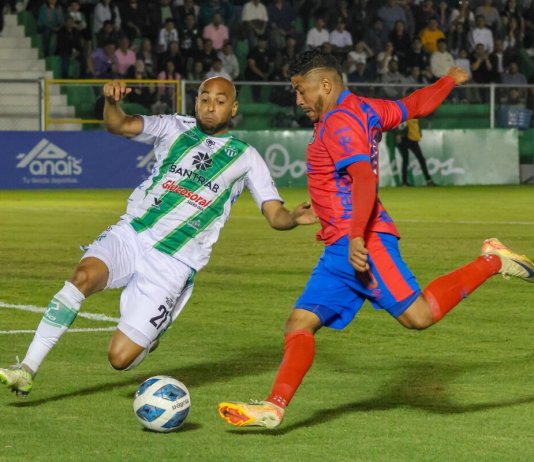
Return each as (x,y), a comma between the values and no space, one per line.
(313,59)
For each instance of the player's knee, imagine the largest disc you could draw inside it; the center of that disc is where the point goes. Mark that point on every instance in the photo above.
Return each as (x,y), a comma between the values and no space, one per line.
(420,322)
(90,277)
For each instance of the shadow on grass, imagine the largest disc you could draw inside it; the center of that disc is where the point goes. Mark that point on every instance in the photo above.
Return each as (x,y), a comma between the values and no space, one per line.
(420,386)
(195,375)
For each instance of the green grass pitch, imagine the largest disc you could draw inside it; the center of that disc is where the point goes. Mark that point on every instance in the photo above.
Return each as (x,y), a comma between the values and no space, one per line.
(460,391)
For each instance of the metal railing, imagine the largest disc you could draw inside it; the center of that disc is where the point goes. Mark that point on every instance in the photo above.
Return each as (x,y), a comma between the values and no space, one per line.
(40,101)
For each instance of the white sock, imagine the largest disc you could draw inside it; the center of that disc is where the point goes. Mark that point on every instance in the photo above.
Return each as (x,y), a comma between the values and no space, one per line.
(58,317)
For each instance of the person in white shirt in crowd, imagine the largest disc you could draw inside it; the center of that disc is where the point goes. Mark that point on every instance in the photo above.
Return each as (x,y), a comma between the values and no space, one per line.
(480,34)
(103,11)
(229,60)
(341,40)
(318,34)
(360,54)
(167,34)
(217,70)
(441,60)
(254,18)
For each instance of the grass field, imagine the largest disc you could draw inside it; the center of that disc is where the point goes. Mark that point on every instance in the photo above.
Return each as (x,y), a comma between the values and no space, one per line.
(461,391)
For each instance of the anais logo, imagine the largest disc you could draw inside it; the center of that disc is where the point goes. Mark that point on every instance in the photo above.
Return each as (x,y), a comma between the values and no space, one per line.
(48,159)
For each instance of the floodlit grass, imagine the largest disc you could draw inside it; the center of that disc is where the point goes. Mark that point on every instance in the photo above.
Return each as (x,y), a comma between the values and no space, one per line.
(461,391)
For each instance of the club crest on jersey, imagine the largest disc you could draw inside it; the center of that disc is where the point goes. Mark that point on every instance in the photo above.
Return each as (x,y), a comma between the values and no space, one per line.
(202,161)
(230,151)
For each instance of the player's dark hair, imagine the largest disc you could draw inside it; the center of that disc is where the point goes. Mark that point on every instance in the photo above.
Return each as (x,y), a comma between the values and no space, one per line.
(313,59)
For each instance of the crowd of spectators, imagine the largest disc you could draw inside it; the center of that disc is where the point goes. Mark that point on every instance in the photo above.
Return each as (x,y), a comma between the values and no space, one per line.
(388,41)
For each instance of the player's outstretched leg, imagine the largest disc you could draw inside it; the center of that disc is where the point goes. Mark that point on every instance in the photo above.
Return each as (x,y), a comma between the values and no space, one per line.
(513,264)
(18,378)
(252,414)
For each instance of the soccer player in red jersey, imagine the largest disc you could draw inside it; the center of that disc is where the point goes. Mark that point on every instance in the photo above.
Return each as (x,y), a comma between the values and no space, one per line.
(361,260)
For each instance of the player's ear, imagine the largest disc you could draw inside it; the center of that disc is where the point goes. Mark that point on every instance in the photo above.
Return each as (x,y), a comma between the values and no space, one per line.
(326,85)
(235,107)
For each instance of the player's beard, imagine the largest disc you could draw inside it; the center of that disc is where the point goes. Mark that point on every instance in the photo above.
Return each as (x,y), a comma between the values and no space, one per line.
(211,130)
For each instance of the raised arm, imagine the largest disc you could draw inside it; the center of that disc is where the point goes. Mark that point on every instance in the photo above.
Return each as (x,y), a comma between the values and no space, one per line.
(282,219)
(426,100)
(115,119)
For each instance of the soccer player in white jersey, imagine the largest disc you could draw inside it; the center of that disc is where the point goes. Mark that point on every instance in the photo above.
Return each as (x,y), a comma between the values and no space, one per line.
(171,222)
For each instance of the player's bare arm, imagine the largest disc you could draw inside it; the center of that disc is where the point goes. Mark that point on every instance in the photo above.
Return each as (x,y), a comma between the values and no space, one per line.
(115,119)
(282,219)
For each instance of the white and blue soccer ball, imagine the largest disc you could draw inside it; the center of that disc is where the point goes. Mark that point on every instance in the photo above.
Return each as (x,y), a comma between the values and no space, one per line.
(162,403)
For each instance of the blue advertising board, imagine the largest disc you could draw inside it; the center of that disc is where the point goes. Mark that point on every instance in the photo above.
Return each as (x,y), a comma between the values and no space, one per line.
(72,160)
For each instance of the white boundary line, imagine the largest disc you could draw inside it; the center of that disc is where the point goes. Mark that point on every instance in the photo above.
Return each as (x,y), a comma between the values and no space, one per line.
(39,309)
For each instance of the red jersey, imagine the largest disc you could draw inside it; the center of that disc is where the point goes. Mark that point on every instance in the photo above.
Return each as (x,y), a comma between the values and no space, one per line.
(347,134)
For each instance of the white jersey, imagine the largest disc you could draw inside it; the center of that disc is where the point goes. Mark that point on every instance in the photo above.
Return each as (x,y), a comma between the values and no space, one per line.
(181,208)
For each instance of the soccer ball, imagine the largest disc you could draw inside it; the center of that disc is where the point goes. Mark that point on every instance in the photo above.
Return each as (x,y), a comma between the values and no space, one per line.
(162,403)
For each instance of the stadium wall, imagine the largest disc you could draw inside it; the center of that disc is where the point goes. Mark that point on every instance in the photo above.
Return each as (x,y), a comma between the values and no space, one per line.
(101,160)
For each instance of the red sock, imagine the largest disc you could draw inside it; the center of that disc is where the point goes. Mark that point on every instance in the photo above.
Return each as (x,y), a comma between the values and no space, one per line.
(445,292)
(298,358)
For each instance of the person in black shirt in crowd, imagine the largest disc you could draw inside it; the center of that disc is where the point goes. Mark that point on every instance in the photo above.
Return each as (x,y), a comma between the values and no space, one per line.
(260,65)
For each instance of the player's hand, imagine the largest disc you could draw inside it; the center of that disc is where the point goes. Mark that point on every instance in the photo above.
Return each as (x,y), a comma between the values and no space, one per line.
(115,91)
(358,254)
(458,74)
(304,214)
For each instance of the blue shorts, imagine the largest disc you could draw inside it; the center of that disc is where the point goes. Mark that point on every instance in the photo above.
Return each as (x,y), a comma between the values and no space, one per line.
(335,291)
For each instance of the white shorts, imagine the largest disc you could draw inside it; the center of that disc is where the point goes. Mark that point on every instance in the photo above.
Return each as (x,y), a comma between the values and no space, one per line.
(156,285)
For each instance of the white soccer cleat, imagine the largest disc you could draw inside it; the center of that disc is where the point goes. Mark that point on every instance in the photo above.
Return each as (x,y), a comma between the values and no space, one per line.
(254,414)
(17,379)
(513,264)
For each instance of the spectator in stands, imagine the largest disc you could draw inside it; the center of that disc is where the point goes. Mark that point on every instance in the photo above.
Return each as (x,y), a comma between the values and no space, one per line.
(417,57)
(462,15)
(392,76)
(206,55)
(190,38)
(360,53)
(423,13)
(229,60)
(490,14)
(217,70)
(415,77)
(480,34)
(376,36)
(69,46)
(516,98)
(430,36)
(197,72)
(174,54)
(188,8)
(463,62)
(209,7)
(384,58)
(390,13)
(103,11)
(513,36)
(501,59)
(167,93)
(441,60)
(443,15)
(401,40)
(255,20)
(49,22)
(482,70)
(341,40)
(457,38)
(125,56)
(149,58)
(103,62)
(335,10)
(160,13)
(260,66)
(282,17)
(80,22)
(106,34)
(512,76)
(282,94)
(142,94)
(134,18)
(167,34)
(361,74)
(317,35)
(216,31)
